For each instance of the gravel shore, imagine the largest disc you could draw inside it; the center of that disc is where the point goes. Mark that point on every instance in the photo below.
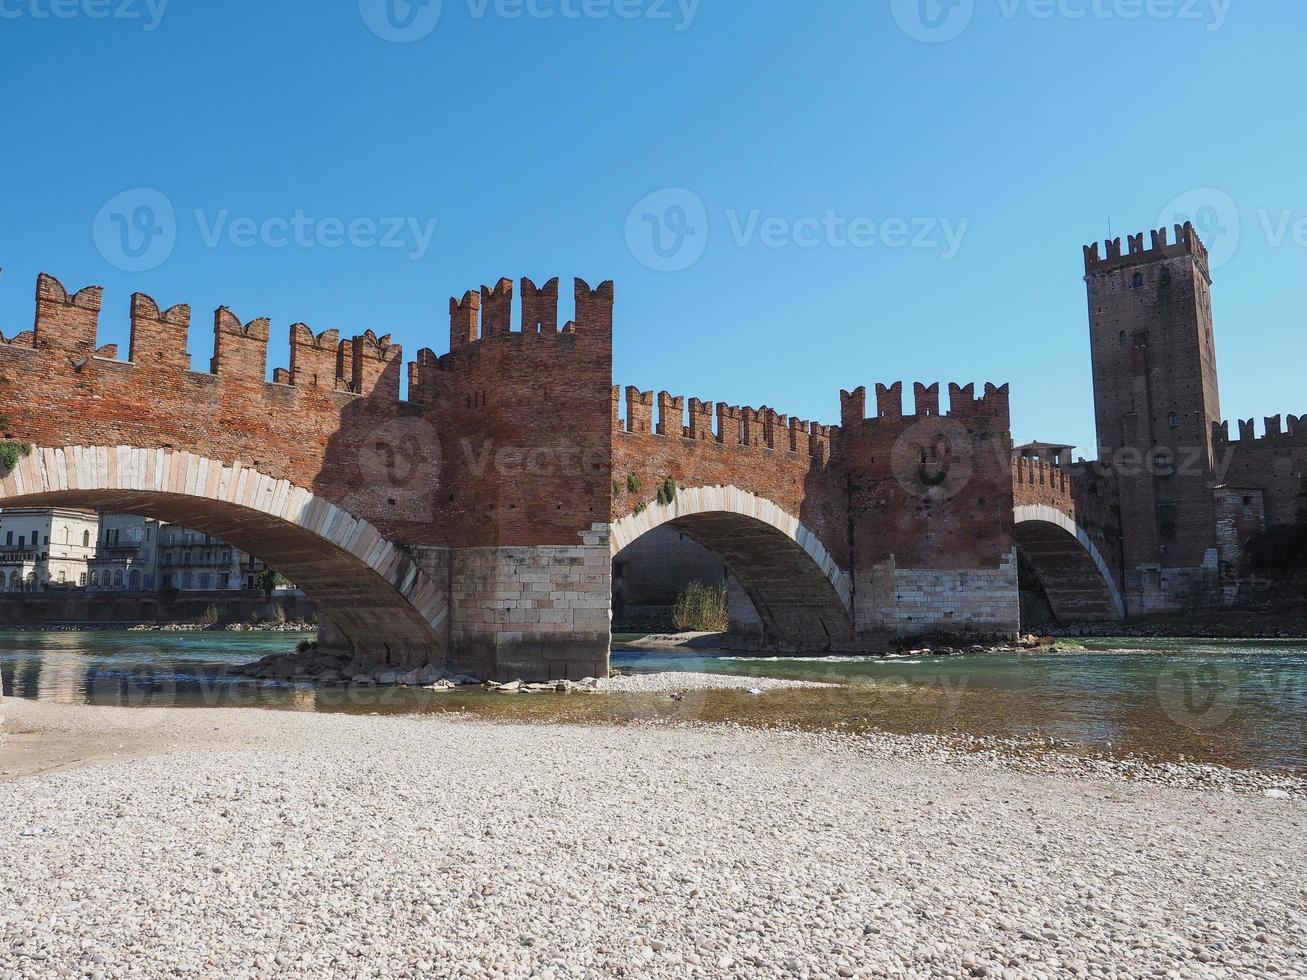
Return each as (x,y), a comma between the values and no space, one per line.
(234,843)
(670,681)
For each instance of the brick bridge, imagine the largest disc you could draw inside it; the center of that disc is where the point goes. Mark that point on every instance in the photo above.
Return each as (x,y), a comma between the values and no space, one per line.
(475,523)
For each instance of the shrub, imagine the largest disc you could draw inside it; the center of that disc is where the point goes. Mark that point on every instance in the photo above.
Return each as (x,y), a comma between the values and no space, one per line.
(702,608)
(212,614)
(633,483)
(667,492)
(11,452)
(1280,552)
(618,488)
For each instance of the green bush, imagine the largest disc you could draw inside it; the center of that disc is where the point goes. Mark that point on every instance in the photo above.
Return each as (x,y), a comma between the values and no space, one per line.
(212,614)
(633,483)
(1280,552)
(618,488)
(667,492)
(11,452)
(702,608)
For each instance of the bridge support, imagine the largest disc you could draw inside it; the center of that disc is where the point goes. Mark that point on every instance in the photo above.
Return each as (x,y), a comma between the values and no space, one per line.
(535,613)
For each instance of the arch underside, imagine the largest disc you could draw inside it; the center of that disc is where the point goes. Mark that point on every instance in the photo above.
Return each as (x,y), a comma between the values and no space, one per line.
(1071,572)
(381,605)
(800,595)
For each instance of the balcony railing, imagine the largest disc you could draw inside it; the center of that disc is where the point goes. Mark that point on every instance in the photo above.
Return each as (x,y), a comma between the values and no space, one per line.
(170,562)
(182,540)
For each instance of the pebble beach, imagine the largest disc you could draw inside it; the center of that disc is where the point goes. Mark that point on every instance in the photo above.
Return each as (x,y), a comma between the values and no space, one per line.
(238,843)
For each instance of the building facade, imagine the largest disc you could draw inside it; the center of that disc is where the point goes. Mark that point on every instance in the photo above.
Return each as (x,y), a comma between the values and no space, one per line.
(46,548)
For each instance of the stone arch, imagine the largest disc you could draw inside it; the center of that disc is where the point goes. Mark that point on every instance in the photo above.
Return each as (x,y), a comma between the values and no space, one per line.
(379,601)
(1079,584)
(804,599)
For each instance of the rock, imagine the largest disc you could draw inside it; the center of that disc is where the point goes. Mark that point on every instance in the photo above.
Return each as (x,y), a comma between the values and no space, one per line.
(1276,794)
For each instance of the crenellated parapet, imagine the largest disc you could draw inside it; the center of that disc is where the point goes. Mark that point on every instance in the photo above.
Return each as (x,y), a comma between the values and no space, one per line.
(158,340)
(487,314)
(1277,430)
(739,428)
(1160,246)
(240,350)
(993,404)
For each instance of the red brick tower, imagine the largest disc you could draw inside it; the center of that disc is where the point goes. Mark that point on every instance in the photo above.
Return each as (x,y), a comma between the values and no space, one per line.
(1155,401)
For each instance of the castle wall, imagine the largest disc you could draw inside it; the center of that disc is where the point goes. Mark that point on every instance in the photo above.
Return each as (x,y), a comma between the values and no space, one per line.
(930,508)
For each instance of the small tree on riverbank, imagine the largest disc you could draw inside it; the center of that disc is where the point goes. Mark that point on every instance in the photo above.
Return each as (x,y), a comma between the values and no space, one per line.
(270,580)
(702,608)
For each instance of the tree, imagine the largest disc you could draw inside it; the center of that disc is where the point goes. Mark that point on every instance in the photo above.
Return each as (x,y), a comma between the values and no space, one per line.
(269,581)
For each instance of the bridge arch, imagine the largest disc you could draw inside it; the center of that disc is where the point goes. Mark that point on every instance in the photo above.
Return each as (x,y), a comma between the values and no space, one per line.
(804,599)
(1078,582)
(372,591)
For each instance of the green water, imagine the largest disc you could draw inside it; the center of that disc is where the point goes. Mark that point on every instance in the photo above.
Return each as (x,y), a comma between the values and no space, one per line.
(1240,703)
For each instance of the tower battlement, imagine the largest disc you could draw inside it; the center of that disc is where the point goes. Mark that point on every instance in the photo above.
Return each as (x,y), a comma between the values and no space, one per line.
(1160,247)
(487,313)
(963,403)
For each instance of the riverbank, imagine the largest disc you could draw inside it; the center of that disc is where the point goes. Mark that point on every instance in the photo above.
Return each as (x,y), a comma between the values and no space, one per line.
(229,842)
(1276,622)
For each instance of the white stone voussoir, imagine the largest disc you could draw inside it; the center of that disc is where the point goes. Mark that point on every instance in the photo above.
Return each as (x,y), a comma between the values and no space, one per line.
(733,500)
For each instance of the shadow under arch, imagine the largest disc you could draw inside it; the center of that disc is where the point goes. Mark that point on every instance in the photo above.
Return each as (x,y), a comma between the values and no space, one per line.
(802,596)
(1077,581)
(371,591)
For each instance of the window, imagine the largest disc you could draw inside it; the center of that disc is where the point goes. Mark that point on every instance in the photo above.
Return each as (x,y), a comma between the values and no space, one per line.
(86,539)
(204,580)
(63,578)
(135,581)
(9,539)
(22,540)
(118,578)
(82,580)
(1173,420)
(1138,280)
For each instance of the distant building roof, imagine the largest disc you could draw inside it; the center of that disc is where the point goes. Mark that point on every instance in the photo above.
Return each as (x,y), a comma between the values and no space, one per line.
(1031,447)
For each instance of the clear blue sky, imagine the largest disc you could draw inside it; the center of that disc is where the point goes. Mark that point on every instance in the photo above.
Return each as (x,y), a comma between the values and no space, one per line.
(531,139)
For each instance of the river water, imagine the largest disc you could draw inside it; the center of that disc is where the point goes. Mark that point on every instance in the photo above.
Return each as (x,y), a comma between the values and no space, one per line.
(1239,703)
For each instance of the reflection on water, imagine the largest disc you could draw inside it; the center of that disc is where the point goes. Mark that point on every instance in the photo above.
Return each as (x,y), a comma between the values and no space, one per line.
(1241,703)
